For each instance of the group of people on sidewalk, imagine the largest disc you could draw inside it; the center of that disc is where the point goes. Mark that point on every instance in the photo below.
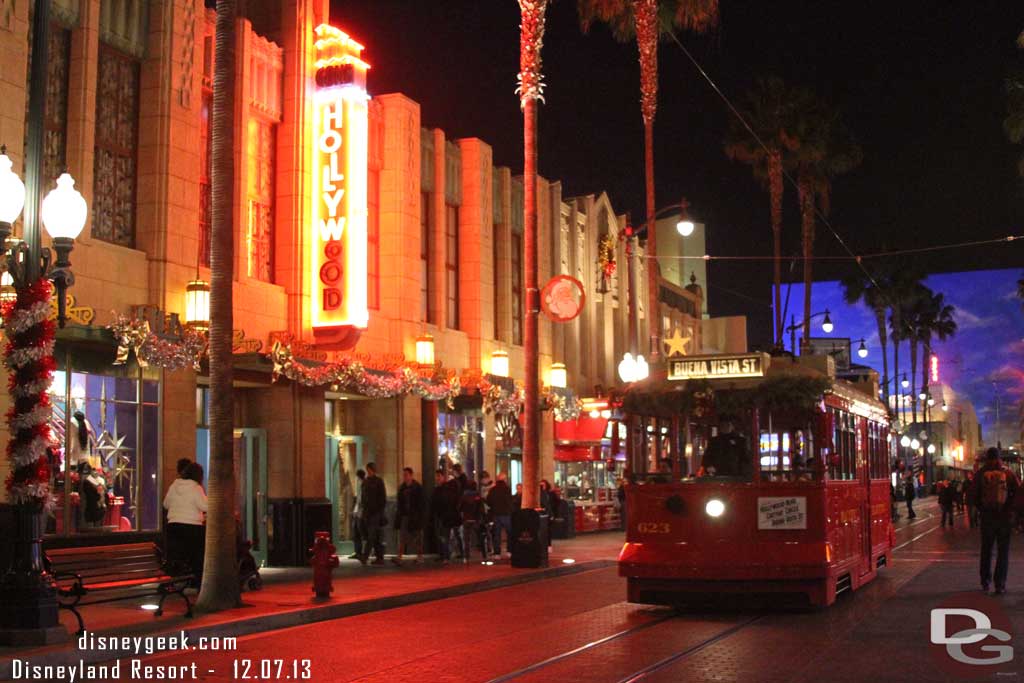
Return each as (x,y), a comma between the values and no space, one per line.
(461,513)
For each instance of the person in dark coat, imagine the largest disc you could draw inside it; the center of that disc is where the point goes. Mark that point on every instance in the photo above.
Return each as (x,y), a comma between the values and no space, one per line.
(374,499)
(444,512)
(995,490)
(517,498)
(969,493)
(946,494)
(471,508)
(460,477)
(727,454)
(499,500)
(909,493)
(409,517)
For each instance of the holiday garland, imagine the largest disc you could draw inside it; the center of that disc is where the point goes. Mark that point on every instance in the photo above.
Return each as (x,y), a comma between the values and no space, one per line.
(351,376)
(531,40)
(565,408)
(133,334)
(28,356)
(497,399)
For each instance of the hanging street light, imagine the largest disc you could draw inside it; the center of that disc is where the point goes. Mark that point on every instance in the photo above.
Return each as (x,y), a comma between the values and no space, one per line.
(945,408)
(862,350)
(197,305)
(905,383)
(559,375)
(826,324)
(685,226)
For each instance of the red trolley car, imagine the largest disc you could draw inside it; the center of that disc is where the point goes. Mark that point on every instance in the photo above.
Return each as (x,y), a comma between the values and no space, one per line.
(751,474)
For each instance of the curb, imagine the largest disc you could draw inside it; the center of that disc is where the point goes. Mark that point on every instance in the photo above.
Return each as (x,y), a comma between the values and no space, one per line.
(70,656)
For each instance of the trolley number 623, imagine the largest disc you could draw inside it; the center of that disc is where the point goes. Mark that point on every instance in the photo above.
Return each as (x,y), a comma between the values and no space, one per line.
(272,670)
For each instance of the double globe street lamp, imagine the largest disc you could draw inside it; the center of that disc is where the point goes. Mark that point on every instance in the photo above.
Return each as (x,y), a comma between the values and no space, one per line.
(63,213)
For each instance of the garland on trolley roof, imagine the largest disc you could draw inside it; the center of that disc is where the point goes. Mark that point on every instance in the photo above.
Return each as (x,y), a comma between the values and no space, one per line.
(28,356)
(798,395)
(352,376)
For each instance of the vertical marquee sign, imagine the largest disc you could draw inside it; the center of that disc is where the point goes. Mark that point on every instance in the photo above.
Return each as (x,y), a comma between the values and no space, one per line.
(338,239)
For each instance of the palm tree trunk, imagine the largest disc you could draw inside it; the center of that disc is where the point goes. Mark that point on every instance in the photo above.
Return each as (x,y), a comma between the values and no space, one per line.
(775,190)
(531,426)
(880,319)
(220,588)
(913,377)
(531,34)
(645,15)
(807,232)
(896,371)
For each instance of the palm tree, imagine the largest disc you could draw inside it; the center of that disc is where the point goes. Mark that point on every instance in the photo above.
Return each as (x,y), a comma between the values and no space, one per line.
(646,21)
(220,588)
(903,286)
(936,322)
(913,321)
(826,149)
(857,286)
(769,108)
(531,39)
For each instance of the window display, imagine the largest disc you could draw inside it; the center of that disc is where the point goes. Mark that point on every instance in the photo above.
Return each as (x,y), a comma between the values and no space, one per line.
(460,440)
(105,461)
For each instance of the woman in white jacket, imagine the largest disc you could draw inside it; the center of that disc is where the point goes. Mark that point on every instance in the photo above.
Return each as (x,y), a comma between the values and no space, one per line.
(185,503)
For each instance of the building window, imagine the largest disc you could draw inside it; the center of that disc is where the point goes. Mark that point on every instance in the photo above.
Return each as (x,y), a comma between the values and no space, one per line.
(373,240)
(204,178)
(260,234)
(451,266)
(426,291)
(105,471)
(56,124)
(115,166)
(517,288)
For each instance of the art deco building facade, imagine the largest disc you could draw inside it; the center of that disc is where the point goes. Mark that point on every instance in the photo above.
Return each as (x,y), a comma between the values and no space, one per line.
(438,251)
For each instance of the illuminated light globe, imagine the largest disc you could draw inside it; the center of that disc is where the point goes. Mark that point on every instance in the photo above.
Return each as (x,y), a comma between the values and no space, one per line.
(915,444)
(715,508)
(945,407)
(862,350)
(826,324)
(499,364)
(64,210)
(12,191)
(559,375)
(685,227)
(905,441)
(905,382)
(633,369)
(931,448)
(197,305)
(425,350)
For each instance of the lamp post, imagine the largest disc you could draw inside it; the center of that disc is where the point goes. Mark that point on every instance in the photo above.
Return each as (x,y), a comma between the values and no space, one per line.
(826,327)
(28,606)
(633,366)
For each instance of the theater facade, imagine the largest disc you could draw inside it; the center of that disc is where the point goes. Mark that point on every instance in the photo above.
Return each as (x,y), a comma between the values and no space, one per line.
(378,288)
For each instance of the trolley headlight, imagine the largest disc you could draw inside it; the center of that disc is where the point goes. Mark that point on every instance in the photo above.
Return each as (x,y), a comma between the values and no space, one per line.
(714,508)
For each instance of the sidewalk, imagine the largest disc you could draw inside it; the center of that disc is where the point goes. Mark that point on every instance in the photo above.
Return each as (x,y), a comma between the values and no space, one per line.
(287,599)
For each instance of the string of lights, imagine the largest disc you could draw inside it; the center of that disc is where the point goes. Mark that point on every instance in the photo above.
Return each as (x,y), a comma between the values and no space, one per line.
(851,257)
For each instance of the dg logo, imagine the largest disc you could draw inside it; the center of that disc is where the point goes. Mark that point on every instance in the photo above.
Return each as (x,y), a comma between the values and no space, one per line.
(970,634)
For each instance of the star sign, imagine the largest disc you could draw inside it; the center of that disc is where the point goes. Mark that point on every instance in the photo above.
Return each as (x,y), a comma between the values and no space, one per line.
(677,344)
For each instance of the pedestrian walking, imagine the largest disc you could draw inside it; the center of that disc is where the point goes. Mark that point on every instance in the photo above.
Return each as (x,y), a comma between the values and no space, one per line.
(471,508)
(946,494)
(460,477)
(909,493)
(374,499)
(969,493)
(485,484)
(186,507)
(357,517)
(995,492)
(409,517)
(958,495)
(620,498)
(499,500)
(444,512)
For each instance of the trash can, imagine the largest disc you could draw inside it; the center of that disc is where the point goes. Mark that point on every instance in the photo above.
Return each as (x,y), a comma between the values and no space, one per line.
(564,523)
(529,539)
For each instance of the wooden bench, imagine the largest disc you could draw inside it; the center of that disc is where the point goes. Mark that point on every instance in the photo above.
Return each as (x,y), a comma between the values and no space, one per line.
(102,574)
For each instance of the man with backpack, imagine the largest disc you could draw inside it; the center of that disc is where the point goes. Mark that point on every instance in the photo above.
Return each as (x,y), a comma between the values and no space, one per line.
(995,489)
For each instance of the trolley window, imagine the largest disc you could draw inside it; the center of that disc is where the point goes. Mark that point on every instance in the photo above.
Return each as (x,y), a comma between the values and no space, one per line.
(843,460)
(787,455)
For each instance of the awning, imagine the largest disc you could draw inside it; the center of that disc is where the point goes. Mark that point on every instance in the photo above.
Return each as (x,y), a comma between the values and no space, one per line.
(576,453)
(583,428)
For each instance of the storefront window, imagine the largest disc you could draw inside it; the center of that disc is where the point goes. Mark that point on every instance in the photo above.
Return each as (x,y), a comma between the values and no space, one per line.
(460,440)
(587,482)
(106,468)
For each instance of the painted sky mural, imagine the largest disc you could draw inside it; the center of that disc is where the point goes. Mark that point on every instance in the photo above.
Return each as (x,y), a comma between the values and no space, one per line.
(984,360)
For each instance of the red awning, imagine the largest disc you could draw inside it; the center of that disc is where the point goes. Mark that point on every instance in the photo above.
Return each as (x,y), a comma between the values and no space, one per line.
(574,453)
(584,428)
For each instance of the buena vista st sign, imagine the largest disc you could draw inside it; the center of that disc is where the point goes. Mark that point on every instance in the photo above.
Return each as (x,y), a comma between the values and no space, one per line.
(718,366)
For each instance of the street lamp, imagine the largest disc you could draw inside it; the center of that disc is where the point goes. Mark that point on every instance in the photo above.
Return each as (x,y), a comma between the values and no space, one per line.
(826,324)
(685,225)
(905,383)
(633,369)
(945,408)
(63,213)
(862,350)
(197,305)
(425,350)
(559,375)
(826,327)
(931,448)
(915,444)
(905,441)
(499,363)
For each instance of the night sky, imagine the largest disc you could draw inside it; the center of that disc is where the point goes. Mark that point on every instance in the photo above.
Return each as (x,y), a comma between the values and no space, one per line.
(920,84)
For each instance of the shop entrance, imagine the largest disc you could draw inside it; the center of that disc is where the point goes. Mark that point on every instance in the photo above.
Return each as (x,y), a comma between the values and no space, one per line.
(251,488)
(343,455)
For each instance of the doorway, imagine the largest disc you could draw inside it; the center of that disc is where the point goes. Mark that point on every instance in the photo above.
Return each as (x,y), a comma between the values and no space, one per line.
(251,489)
(343,455)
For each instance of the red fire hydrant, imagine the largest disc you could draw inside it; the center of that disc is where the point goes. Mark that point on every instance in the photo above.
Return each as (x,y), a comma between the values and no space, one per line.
(323,560)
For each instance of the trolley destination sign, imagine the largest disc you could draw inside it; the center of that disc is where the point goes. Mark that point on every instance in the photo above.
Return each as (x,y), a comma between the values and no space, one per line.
(718,366)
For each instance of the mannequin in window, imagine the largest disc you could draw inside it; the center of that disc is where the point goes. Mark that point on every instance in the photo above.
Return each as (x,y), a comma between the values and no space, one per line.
(93,495)
(79,431)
